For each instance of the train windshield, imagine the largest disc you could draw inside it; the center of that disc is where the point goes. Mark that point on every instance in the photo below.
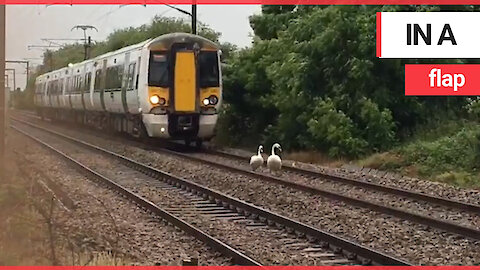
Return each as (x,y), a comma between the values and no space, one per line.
(209,75)
(158,71)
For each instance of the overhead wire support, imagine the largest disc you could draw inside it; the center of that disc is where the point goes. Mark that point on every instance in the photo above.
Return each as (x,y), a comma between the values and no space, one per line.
(14,77)
(21,62)
(87,41)
(192,14)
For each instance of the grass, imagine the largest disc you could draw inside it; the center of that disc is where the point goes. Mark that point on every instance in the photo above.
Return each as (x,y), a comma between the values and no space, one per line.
(448,152)
(21,234)
(313,157)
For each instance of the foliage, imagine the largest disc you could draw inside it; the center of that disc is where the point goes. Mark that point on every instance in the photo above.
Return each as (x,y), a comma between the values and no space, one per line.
(311,80)
(121,38)
(450,153)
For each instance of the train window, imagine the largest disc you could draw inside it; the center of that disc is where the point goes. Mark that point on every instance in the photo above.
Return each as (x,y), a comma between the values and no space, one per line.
(119,77)
(67,86)
(61,86)
(130,76)
(158,69)
(98,76)
(208,65)
(79,85)
(88,79)
(108,79)
(114,78)
(53,90)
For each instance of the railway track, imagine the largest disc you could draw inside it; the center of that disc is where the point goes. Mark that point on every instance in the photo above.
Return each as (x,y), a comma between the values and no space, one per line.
(237,256)
(438,223)
(200,201)
(463,206)
(315,182)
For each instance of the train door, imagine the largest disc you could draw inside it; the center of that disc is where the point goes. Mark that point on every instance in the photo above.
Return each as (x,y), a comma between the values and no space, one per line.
(48,94)
(132,86)
(69,91)
(125,83)
(117,101)
(103,84)
(113,89)
(59,93)
(87,94)
(185,83)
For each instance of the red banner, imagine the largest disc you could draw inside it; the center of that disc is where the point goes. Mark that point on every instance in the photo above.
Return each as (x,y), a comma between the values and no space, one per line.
(442,80)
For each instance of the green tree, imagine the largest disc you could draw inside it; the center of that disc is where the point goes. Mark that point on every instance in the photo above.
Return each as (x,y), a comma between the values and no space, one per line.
(312,80)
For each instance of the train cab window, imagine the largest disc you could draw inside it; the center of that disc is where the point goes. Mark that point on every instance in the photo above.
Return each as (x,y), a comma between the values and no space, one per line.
(208,65)
(158,69)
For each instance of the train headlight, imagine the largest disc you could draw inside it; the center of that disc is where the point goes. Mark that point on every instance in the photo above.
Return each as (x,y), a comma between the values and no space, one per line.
(213,100)
(206,102)
(155,99)
(162,101)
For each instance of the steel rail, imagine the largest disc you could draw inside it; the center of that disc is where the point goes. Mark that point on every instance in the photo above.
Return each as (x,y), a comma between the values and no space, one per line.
(218,245)
(349,248)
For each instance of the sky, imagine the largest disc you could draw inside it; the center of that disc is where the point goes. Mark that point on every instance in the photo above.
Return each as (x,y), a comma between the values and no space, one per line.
(28,25)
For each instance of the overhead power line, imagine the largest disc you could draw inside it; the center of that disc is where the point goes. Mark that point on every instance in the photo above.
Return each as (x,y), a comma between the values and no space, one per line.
(29,47)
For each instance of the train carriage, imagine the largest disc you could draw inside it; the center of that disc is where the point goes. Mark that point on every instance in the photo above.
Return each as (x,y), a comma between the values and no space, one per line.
(168,87)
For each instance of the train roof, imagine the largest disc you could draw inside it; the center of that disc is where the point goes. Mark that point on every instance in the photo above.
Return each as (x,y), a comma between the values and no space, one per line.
(163,41)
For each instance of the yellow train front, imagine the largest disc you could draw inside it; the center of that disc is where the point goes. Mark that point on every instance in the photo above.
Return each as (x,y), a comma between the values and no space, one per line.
(183,86)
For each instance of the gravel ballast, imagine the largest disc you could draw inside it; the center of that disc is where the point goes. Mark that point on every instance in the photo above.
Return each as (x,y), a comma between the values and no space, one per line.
(264,244)
(416,243)
(467,219)
(142,238)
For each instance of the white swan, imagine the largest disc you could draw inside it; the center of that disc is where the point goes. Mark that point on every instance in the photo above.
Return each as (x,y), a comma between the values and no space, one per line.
(257,160)
(274,162)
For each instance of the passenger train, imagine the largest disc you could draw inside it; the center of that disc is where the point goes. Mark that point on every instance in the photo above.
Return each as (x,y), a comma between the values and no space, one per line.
(167,87)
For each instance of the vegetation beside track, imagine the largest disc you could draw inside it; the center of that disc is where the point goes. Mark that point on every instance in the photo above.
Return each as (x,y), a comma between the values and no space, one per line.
(449,153)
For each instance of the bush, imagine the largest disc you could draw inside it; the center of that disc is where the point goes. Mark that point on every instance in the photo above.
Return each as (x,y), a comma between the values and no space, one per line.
(448,156)
(333,130)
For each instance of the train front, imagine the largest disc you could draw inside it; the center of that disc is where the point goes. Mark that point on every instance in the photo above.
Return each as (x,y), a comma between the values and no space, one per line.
(184,88)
